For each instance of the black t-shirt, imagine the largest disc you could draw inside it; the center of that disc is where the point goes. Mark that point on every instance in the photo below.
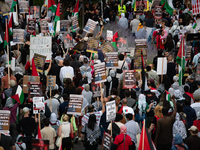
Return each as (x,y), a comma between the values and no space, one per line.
(193,142)
(27,125)
(6,142)
(155,101)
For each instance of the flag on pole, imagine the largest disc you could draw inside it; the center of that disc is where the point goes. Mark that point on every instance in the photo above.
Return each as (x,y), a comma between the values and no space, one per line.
(114,44)
(6,38)
(51,5)
(168,6)
(57,20)
(194,24)
(18,94)
(34,70)
(39,133)
(75,11)
(14,2)
(180,59)
(144,78)
(10,25)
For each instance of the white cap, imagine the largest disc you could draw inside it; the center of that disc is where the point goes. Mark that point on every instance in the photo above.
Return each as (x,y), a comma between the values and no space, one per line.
(128,110)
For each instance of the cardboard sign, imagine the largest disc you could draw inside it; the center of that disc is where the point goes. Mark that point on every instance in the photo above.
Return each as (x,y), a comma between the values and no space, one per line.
(51,29)
(34,90)
(107,48)
(4,121)
(161,65)
(110,111)
(158,12)
(39,144)
(188,53)
(106,141)
(68,40)
(198,72)
(90,26)
(39,61)
(137,57)
(75,104)
(100,73)
(96,89)
(23,7)
(38,105)
(65,25)
(5,8)
(51,81)
(129,79)
(18,36)
(109,35)
(122,45)
(41,45)
(27,79)
(75,25)
(31,25)
(44,25)
(92,45)
(111,60)
(35,11)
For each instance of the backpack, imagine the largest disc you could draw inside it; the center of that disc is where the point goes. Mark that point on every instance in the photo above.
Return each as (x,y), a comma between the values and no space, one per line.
(115,130)
(180,147)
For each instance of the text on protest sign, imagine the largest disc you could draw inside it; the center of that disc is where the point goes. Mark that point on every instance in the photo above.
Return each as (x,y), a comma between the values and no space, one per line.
(38,105)
(122,45)
(68,40)
(109,35)
(90,26)
(51,81)
(18,36)
(65,25)
(129,79)
(92,45)
(137,57)
(39,61)
(23,6)
(110,111)
(75,104)
(107,47)
(27,79)
(106,141)
(4,121)
(75,25)
(35,90)
(96,89)
(44,25)
(35,11)
(31,25)
(100,73)
(111,60)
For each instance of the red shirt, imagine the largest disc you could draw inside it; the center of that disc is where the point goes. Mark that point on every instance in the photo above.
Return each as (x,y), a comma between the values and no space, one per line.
(159,40)
(119,139)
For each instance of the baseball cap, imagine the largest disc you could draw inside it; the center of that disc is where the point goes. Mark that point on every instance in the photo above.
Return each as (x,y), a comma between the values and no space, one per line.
(25,110)
(192,128)
(128,110)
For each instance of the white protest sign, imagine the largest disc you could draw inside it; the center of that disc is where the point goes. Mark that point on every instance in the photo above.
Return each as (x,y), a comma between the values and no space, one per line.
(38,105)
(41,45)
(90,26)
(109,35)
(51,30)
(4,121)
(110,111)
(161,65)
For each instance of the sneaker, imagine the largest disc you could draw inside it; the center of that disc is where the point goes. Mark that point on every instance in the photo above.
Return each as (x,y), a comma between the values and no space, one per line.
(76,140)
(79,139)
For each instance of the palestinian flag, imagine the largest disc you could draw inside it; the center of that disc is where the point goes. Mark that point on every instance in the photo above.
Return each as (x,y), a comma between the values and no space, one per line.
(17,94)
(168,6)
(194,24)
(168,96)
(34,70)
(180,59)
(51,5)
(189,11)
(57,20)
(10,25)
(114,44)
(6,37)
(14,2)
(39,132)
(133,3)
(75,11)
(145,140)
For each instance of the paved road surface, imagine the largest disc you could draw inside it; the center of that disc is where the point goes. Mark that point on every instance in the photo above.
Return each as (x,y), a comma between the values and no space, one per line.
(79,146)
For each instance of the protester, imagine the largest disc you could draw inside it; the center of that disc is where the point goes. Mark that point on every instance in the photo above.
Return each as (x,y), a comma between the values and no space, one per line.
(193,141)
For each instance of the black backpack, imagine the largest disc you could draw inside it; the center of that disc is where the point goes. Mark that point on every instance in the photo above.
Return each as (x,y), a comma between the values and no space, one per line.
(115,130)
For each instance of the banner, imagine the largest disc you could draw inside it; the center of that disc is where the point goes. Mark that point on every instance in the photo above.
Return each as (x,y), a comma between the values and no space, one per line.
(41,45)
(129,79)
(44,25)
(75,104)
(96,89)
(18,36)
(35,11)
(137,57)
(39,61)
(38,105)
(34,90)
(51,81)
(111,60)
(4,121)
(75,25)
(23,6)
(65,25)
(100,73)
(161,65)
(109,35)
(122,45)
(31,25)
(27,79)
(107,47)
(68,40)
(92,45)
(106,141)
(158,12)
(110,111)
(90,26)
(39,144)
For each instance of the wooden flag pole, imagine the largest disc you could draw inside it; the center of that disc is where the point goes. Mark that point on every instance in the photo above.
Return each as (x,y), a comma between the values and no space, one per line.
(8,56)
(17,13)
(162,70)
(143,135)
(39,120)
(18,50)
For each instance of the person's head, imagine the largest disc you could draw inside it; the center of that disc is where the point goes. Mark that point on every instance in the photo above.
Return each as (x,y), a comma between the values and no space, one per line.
(118,117)
(65,118)
(73,57)
(96,56)
(65,97)
(87,87)
(58,53)
(114,91)
(90,35)
(169,58)
(186,88)
(174,12)
(124,102)
(187,102)
(6,70)
(165,111)
(123,129)
(179,107)
(80,31)
(25,111)
(97,11)
(148,68)
(90,108)
(87,5)
(196,96)
(160,51)
(28,37)
(12,83)
(127,93)
(193,130)
(198,84)
(129,116)
(78,91)
(66,62)
(92,121)
(121,57)
(46,122)
(158,111)
(85,61)
(69,83)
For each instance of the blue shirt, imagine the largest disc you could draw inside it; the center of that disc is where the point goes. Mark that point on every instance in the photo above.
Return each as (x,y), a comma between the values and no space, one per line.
(63,107)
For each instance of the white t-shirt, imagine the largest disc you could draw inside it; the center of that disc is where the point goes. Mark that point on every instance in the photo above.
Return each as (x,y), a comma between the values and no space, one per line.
(196,107)
(63,72)
(134,24)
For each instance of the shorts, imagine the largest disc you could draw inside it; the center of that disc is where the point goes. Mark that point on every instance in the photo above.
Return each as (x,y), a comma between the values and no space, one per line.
(78,120)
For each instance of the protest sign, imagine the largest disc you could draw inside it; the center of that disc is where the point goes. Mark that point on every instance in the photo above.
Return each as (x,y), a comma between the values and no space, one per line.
(75,25)
(129,79)
(92,45)
(44,25)
(9,2)
(51,81)
(31,25)
(193,36)
(107,47)
(34,90)
(39,61)
(41,45)
(109,35)
(137,57)
(39,144)
(111,60)
(68,40)
(188,53)
(96,89)
(158,12)
(35,11)
(38,105)
(4,121)
(18,36)
(141,6)
(29,17)
(27,79)
(5,8)
(50,25)
(106,141)
(156,3)
(23,6)
(110,111)
(65,25)
(140,42)
(100,73)
(161,65)
(90,26)
(195,7)
(75,104)
(122,45)
(197,78)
